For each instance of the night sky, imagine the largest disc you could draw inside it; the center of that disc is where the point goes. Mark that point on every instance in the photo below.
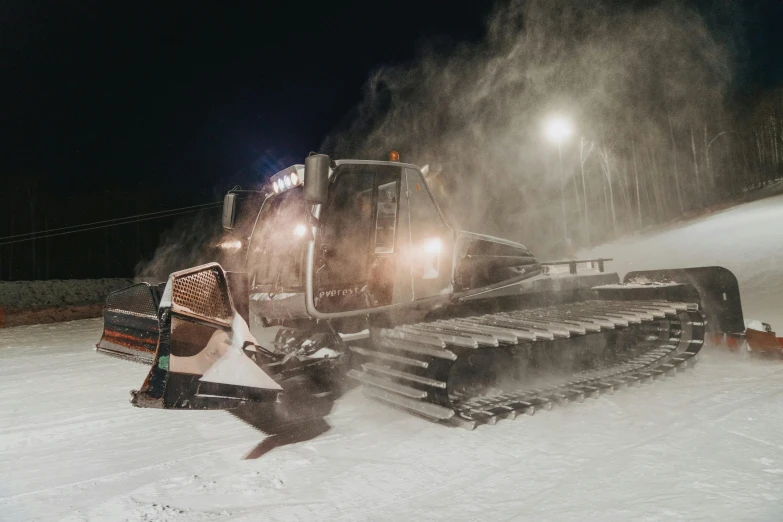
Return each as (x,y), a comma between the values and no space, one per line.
(114,109)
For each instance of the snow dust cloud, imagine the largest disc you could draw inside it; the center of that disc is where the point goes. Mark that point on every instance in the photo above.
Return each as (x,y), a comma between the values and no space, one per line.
(642,86)
(199,239)
(190,242)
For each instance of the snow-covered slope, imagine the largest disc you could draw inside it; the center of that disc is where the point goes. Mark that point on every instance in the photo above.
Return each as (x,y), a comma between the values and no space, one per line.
(747,239)
(702,446)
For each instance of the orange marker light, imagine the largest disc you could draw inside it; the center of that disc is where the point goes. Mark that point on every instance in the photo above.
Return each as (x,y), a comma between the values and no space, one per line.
(394,156)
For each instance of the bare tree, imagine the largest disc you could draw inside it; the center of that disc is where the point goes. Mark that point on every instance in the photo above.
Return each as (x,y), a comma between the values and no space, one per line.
(606,167)
(636,179)
(585,148)
(696,170)
(676,174)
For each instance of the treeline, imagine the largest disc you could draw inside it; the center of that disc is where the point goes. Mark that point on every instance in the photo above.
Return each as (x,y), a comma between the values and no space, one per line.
(621,184)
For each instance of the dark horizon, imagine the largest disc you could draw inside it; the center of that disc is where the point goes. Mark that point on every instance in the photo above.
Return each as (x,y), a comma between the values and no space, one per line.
(116,112)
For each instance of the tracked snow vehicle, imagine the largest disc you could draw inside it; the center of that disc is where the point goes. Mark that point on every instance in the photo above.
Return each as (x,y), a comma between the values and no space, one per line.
(352,274)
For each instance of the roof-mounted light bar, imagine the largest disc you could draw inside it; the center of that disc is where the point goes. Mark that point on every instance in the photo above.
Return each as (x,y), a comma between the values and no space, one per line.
(288,178)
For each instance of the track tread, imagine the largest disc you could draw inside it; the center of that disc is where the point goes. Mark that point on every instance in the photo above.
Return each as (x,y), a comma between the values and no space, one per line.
(675,332)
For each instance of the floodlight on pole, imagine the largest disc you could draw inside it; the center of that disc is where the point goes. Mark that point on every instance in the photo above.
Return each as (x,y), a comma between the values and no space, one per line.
(557,129)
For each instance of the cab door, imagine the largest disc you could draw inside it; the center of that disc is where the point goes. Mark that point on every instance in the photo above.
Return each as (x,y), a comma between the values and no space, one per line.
(356,252)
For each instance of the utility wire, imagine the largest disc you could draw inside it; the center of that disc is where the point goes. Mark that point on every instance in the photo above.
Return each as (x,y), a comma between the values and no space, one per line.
(202,205)
(84,229)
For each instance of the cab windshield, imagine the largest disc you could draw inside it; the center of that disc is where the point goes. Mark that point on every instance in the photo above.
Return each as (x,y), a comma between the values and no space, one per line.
(276,256)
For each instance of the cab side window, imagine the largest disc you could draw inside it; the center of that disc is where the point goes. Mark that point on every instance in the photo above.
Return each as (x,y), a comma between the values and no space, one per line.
(386,217)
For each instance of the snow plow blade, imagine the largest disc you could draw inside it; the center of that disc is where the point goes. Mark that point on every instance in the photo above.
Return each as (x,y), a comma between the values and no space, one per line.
(130,323)
(200,361)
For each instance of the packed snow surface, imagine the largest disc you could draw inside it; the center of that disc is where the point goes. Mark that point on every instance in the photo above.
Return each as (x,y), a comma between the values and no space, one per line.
(746,239)
(705,445)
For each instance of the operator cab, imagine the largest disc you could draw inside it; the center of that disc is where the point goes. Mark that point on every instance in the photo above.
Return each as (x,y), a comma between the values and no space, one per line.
(371,237)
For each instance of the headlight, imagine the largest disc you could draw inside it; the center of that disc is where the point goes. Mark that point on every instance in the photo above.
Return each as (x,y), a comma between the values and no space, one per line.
(231,245)
(277,189)
(300,230)
(287,181)
(432,246)
(294,178)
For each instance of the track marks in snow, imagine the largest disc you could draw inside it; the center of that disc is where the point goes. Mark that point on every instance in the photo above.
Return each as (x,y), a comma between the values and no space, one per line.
(609,458)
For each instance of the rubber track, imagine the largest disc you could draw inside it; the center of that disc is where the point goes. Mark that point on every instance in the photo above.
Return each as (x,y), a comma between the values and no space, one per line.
(409,366)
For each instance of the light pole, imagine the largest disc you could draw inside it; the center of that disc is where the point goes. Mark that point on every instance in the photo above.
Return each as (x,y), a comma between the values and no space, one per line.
(557,129)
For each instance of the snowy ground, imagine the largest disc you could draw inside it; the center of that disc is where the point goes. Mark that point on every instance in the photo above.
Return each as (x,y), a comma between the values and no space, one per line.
(702,446)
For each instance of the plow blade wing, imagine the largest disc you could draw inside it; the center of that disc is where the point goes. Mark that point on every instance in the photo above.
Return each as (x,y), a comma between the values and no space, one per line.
(764,341)
(130,323)
(200,361)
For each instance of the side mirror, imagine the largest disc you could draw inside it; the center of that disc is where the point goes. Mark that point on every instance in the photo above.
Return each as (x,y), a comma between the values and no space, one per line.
(229,210)
(316,178)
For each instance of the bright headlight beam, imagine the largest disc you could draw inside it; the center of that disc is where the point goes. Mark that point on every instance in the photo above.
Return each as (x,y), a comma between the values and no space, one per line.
(231,245)
(300,230)
(432,246)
